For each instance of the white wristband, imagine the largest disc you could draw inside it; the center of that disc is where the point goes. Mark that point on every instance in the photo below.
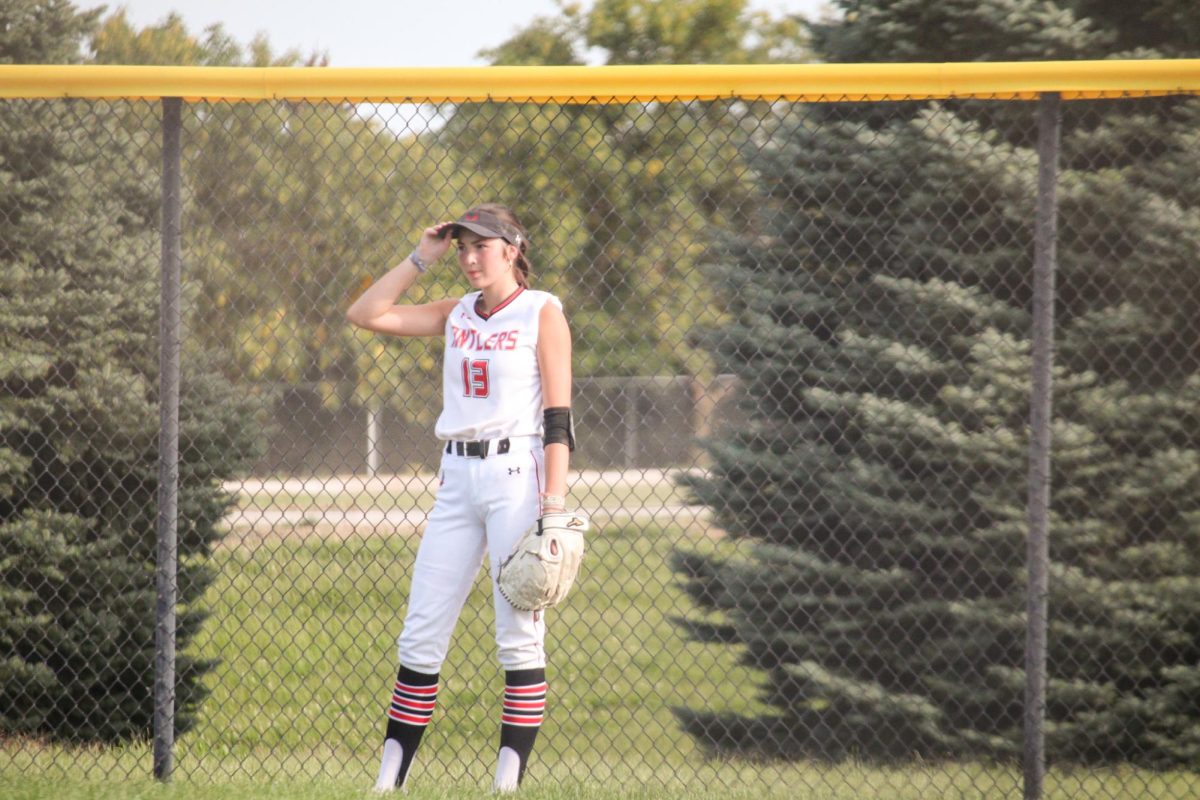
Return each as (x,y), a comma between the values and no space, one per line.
(554,501)
(417,261)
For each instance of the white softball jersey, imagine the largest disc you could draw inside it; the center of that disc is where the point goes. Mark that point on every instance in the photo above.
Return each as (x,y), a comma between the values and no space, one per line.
(491,383)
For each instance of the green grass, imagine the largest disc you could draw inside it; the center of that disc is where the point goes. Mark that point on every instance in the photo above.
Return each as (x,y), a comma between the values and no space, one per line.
(304,630)
(324,775)
(306,640)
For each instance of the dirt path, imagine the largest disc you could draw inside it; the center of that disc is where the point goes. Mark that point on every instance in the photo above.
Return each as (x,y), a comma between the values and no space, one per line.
(250,524)
(362,484)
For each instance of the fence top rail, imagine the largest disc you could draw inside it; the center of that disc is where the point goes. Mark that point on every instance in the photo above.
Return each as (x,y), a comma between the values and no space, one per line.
(1074,80)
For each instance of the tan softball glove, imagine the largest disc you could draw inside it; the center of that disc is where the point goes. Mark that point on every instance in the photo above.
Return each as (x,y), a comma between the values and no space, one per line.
(545,561)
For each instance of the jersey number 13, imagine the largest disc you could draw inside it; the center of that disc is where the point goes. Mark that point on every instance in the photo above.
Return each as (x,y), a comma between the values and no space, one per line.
(475,378)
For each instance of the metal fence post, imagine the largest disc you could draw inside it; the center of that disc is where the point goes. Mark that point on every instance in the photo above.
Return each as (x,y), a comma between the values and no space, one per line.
(168,445)
(1045,240)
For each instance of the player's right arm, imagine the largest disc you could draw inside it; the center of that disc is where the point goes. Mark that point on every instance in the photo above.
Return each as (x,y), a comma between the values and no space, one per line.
(376,308)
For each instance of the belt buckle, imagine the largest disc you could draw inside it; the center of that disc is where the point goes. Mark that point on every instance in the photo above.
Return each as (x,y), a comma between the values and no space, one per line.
(483,448)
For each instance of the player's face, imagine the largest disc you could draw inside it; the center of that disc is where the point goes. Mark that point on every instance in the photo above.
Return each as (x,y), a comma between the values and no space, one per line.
(483,261)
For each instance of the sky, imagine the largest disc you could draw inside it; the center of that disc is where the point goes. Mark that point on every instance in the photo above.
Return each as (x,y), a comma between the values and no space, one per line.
(375,33)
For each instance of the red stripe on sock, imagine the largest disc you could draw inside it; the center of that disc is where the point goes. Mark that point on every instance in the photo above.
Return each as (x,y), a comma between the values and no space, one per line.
(533,705)
(525,722)
(415,705)
(409,689)
(537,688)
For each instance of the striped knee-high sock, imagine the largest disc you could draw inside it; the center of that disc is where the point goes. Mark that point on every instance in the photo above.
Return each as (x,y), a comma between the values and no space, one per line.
(413,699)
(520,719)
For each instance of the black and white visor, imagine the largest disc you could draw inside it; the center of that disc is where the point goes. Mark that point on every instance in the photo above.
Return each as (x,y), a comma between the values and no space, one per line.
(487,225)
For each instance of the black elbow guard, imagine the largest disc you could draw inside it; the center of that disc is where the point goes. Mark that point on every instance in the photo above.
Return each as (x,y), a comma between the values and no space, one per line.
(558,427)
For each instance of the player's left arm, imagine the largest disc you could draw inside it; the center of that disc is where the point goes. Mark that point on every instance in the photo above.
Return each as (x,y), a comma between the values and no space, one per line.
(554,361)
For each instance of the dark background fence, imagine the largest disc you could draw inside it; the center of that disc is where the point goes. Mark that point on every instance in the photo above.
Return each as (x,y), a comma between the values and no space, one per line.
(651,422)
(811,563)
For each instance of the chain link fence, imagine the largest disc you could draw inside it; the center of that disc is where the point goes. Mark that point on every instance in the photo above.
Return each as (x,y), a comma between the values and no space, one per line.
(804,365)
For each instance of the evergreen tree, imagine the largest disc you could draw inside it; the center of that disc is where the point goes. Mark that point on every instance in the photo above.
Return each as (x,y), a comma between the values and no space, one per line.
(882,334)
(79,418)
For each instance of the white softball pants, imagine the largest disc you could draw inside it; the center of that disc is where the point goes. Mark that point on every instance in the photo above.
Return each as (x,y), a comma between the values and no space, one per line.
(483,506)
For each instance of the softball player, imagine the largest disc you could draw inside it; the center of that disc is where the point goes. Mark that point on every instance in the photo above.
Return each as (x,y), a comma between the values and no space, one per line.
(506,432)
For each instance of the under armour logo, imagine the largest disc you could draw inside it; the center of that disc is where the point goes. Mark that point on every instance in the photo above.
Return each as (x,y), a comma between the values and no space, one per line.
(514,470)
